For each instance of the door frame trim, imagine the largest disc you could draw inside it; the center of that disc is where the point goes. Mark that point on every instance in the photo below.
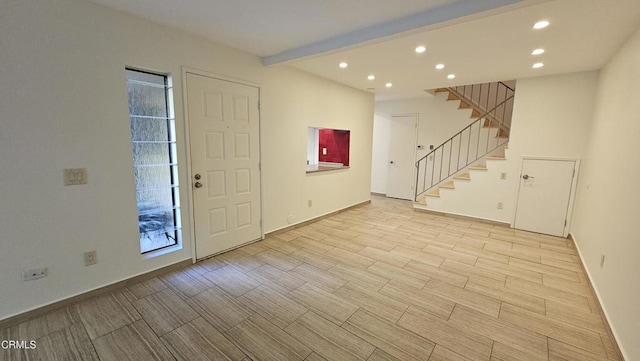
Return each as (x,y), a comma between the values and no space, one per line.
(187,135)
(572,193)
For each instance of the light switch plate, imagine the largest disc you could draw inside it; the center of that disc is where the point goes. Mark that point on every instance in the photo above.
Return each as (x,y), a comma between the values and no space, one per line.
(75,176)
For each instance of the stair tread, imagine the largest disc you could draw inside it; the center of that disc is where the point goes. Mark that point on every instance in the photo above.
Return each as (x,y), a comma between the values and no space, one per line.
(453,96)
(478,167)
(433,193)
(448,185)
(464,176)
(421,200)
(495,158)
(488,123)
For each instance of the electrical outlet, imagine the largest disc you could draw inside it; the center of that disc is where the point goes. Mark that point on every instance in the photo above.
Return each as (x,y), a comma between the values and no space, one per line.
(309,203)
(90,258)
(499,205)
(503,175)
(34,274)
(601,261)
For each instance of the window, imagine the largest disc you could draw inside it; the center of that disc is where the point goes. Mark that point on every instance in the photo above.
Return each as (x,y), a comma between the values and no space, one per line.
(154,159)
(327,149)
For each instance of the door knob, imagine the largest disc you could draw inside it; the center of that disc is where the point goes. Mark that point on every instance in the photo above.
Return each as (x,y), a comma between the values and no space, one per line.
(198,185)
(197,177)
(391,162)
(526,176)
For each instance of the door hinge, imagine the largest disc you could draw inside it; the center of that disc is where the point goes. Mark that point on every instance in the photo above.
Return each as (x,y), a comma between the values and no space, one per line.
(574,173)
(260,222)
(565,222)
(259,105)
(259,165)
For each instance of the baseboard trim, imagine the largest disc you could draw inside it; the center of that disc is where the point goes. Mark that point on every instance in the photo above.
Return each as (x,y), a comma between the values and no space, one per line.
(37,312)
(315,219)
(605,316)
(463,217)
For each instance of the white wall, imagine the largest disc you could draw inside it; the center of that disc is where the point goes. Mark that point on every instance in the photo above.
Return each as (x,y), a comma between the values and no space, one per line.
(64,105)
(608,204)
(551,118)
(552,115)
(478,197)
(438,120)
(292,101)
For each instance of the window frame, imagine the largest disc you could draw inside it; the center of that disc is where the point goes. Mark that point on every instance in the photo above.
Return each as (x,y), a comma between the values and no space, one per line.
(174,232)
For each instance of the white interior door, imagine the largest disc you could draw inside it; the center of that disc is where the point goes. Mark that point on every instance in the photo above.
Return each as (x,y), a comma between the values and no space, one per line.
(543,198)
(225,154)
(402,156)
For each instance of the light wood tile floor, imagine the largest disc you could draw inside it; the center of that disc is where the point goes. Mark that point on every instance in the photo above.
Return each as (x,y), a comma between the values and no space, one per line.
(377,282)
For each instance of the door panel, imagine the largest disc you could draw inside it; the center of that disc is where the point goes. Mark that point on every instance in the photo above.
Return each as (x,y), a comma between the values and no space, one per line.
(543,198)
(402,157)
(224,137)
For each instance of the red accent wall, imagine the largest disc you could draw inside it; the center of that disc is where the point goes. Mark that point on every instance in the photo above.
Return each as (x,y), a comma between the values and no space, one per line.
(337,144)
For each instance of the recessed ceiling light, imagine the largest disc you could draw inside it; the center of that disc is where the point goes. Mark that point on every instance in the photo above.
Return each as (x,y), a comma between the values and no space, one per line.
(537,65)
(420,49)
(388,85)
(439,66)
(343,65)
(451,76)
(371,77)
(537,52)
(541,24)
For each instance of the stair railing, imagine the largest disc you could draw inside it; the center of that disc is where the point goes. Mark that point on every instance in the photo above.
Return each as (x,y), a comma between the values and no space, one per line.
(486,96)
(464,148)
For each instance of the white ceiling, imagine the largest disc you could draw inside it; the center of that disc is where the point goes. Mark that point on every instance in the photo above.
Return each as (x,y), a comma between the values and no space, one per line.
(582,36)
(269,27)
(478,40)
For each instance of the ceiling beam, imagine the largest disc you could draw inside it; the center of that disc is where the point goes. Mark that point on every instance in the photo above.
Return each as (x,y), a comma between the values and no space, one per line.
(448,12)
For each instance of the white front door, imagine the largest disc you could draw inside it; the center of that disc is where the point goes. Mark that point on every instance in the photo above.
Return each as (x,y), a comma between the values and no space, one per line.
(543,198)
(402,156)
(224,135)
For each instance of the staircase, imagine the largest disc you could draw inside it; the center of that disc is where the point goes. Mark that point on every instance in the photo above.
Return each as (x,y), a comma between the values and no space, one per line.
(468,150)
